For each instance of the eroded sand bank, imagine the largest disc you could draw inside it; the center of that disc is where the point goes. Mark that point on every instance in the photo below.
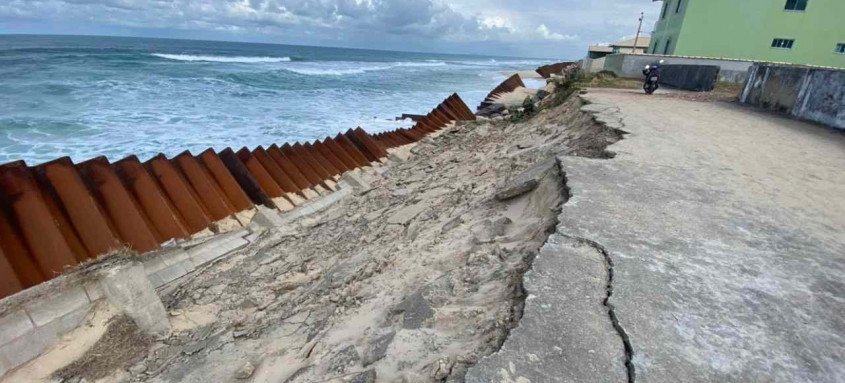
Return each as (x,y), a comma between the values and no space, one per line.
(413,279)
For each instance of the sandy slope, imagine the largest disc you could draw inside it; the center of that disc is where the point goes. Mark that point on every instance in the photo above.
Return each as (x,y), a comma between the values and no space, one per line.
(413,279)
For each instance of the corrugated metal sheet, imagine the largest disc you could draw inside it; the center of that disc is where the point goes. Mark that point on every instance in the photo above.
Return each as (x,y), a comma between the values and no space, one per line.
(59,214)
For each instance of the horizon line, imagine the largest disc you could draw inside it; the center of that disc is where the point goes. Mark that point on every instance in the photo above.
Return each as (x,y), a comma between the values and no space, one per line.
(265,43)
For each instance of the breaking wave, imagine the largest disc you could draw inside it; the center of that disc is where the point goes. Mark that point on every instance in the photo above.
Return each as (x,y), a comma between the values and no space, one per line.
(349,68)
(223,59)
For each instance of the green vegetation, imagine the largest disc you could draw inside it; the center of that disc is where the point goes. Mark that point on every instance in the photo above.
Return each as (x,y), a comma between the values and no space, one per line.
(608,79)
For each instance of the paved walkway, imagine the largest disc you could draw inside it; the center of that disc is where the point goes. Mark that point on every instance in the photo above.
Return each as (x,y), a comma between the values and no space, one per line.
(724,229)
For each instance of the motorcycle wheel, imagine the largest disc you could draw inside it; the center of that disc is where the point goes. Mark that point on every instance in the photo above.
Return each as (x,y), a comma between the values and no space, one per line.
(649,88)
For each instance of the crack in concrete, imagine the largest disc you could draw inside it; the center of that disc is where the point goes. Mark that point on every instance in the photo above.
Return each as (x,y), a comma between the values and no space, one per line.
(611,312)
(601,116)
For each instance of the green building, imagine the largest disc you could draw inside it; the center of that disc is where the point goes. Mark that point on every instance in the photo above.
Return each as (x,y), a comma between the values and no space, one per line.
(810,32)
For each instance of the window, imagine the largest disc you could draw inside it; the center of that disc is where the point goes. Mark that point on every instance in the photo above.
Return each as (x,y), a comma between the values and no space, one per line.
(666,47)
(795,5)
(783,43)
(840,48)
(678,7)
(665,5)
(656,43)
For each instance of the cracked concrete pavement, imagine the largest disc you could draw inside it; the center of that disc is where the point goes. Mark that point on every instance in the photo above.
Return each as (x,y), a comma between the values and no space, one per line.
(724,226)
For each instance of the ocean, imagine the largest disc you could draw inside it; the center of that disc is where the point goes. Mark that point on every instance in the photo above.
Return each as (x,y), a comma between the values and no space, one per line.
(84,96)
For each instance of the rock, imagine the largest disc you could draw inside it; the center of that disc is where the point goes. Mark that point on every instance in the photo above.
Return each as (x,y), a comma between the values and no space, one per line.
(542,93)
(516,189)
(138,368)
(368,376)
(406,214)
(490,110)
(291,283)
(526,181)
(264,257)
(441,369)
(245,372)
(451,224)
(499,226)
(377,349)
(416,311)
(343,359)
(486,231)
(458,373)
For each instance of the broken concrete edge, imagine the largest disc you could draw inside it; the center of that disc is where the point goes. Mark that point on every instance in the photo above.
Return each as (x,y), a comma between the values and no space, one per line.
(34,320)
(608,116)
(501,362)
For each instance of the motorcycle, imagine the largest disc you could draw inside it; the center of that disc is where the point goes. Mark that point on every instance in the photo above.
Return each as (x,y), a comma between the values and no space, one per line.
(652,77)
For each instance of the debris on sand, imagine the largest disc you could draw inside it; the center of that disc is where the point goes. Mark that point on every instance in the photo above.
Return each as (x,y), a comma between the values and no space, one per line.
(414,280)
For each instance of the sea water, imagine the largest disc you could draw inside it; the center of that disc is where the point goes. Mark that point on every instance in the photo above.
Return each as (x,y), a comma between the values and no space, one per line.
(88,96)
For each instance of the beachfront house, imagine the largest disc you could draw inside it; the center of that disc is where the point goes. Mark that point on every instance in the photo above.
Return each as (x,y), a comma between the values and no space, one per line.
(808,32)
(596,53)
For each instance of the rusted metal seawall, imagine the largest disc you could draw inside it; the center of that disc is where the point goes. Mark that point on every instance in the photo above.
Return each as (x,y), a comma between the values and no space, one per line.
(548,70)
(451,109)
(59,214)
(507,86)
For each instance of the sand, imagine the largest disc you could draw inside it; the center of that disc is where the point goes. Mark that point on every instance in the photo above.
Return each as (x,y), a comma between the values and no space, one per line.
(412,279)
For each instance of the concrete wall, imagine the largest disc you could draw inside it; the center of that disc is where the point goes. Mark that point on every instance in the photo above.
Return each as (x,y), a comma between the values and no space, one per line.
(806,93)
(631,65)
(699,78)
(593,65)
(32,321)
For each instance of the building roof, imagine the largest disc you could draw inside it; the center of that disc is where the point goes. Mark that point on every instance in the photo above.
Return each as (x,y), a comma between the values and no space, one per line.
(642,42)
(601,48)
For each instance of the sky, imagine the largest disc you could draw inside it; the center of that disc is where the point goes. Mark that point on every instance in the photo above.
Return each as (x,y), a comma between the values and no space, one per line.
(525,28)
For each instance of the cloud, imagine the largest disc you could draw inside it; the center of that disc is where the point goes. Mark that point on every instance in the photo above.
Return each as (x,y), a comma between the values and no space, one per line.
(506,25)
(493,22)
(547,34)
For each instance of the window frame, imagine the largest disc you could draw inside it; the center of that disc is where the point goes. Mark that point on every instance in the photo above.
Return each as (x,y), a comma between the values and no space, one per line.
(840,48)
(782,43)
(665,7)
(666,47)
(678,6)
(795,4)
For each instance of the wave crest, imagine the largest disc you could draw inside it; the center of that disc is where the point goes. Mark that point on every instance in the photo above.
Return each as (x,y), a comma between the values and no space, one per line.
(223,59)
(347,69)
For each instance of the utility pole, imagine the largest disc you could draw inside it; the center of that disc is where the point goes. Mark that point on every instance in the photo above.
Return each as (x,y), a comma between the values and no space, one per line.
(639,29)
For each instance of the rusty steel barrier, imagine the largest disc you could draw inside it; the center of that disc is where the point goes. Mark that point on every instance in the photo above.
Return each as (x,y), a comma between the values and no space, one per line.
(59,214)
(548,70)
(451,109)
(509,85)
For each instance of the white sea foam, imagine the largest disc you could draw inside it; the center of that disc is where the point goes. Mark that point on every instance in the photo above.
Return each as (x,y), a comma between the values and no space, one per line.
(223,59)
(338,68)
